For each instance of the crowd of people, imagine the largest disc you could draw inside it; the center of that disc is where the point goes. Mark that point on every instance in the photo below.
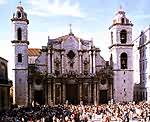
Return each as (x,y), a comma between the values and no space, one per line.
(120,112)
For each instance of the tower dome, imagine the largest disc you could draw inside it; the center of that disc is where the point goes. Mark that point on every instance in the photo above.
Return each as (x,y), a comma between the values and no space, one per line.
(120,18)
(20,15)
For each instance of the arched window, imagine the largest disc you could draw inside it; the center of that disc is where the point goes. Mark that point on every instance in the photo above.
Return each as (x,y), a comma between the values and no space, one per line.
(123,36)
(57,63)
(124,60)
(18,14)
(3,71)
(19,34)
(122,20)
(71,54)
(111,37)
(19,57)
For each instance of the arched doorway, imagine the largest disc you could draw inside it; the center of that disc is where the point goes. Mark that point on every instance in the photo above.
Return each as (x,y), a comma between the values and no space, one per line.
(103,97)
(39,97)
(72,93)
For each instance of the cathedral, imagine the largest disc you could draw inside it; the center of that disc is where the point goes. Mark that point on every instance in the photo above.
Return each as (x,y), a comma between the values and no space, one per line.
(70,68)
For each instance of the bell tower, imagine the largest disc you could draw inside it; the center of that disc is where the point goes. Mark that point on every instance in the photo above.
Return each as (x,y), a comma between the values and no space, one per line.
(20,43)
(121,51)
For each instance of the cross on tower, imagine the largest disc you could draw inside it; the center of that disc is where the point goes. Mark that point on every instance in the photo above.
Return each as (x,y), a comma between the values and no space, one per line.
(20,2)
(120,8)
(70,25)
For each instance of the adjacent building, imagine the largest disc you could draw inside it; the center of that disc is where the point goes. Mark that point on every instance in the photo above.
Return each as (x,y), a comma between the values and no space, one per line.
(4,85)
(142,88)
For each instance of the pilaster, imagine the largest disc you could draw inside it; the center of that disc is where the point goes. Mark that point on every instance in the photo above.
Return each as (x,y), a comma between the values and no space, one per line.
(80,62)
(64,93)
(62,62)
(49,94)
(80,86)
(49,61)
(93,62)
(95,96)
(90,54)
(30,94)
(53,69)
(89,93)
(54,90)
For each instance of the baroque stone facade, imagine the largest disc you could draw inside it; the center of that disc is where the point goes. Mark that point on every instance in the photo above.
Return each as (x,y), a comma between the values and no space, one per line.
(67,69)
(71,69)
(5,85)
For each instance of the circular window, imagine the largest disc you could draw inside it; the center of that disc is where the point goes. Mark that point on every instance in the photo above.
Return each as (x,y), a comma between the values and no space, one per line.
(38,82)
(71,54)
(103,81)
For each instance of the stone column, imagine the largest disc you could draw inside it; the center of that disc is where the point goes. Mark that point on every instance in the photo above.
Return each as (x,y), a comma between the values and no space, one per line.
(95,96)
(53,69)
(97,93)
(62,62)
(26,91)
(111,91)
(54,96)
(59,93)
(89,93)
(80,91)
(5,97)
(64,93)
(30,94)
(80,62)
(93,62)
(49,94)
(49,61)
(46,93)
(90,62)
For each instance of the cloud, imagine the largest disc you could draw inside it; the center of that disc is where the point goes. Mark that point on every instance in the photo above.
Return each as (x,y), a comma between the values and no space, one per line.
(2,2)
(46,8)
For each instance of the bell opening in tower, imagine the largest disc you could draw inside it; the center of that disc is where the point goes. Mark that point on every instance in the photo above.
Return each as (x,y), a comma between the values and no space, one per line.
(19,34)
(123,36)
(19,15)
(122,20)
(123,61)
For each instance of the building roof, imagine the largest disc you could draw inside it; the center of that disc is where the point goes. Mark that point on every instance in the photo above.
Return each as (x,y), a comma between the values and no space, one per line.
(34,51)
(65,37)
(3,59)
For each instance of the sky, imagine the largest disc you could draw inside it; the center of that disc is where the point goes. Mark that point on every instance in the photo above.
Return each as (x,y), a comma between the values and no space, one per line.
(90,19)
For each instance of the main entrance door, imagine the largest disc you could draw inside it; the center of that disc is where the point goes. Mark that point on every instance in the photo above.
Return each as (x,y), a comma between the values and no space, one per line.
(39,97)
(103,97)
(72,93)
